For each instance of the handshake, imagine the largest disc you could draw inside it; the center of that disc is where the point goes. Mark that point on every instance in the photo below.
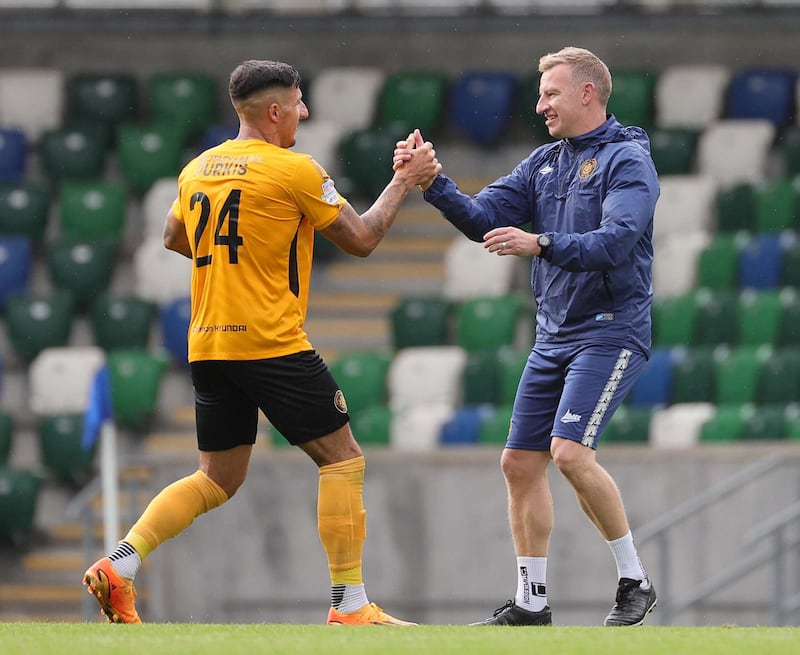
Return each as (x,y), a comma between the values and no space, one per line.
(415,159)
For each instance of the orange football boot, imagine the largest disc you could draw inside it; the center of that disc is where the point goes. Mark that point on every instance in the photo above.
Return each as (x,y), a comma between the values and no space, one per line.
(116,595)
(370,614)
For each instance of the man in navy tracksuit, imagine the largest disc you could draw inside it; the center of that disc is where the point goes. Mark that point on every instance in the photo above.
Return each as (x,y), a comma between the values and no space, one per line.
(589,200)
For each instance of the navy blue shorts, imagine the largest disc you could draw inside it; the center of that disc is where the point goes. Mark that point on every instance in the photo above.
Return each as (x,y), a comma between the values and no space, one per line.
(297,394)
(571,392)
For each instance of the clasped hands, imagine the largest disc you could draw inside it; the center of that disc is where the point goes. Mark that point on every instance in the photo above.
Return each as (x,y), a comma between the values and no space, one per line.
(422,155)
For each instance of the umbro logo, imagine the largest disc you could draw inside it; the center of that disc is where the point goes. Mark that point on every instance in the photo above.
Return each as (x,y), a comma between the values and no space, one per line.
(547,169)
(569,417)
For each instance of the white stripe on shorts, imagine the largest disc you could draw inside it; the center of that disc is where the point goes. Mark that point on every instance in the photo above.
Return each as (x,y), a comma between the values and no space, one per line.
(600,409)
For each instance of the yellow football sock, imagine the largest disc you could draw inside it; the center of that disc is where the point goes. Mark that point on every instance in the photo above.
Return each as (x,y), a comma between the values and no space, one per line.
(342,519)
(173,510)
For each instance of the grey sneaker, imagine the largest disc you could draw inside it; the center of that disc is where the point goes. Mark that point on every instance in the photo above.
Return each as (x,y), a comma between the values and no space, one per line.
(632,604)
(511,614)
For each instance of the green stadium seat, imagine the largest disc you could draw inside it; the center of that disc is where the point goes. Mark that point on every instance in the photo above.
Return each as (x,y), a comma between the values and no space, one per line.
(103,98)
(779,379)
(788,146)
(629,425)
(38,321)
(632,101)
(60,449)
(82,267)
(767,422)
(481,378)
(420,321)
(789,325)
(412,99)
(121,321)
(24,210)
(6,436)
(488,322)
(73,152)
(776,205)
(92,210)
(738,372)
(759,317)
(372,426)
(736,208)
(527,97)
(727,424)
(136,376)
(511,362)
(673,150)
(716,318)
(147,153)
(185,100)
(495,425)
(693,375)
(674,320)
(366,160)
(718,263)
(19,496)
(362,378)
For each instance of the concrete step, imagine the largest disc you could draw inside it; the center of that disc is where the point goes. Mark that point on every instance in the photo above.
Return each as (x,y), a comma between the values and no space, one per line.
(392,277)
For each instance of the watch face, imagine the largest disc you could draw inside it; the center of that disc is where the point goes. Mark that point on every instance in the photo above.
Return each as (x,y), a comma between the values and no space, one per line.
(544,240)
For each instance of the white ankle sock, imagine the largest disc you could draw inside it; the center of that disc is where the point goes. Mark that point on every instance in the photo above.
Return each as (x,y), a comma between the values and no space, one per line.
(125,560)
(531,578)
(627,558)
(348,597)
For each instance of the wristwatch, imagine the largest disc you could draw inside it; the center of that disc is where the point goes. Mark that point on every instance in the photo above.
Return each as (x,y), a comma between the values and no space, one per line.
(544,242)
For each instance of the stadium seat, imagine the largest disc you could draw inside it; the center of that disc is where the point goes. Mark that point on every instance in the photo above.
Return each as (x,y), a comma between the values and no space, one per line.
(716,318)
(788,333)
(727,424)
(217,133)
(346,96)
(489,322)
(16,266)
(718,263)
(92,211)
(13,154)
(6,436)
(629,424)
(464,426)
(418,427)
(512,363)
(705,84)
(779,381)
(760,262)
(73,152)
(693,375)
(759,317)
(481,105)
(764,93)
(362,378)
(24,209)
(686,205)
(675,262)
(19,496)
(60,379)
(426,375)
(82,267)
(495,425)
(184,100)
(147,153)
(767,422)
(156,202)
(160,275)
(481,378)
(32,99)
(525,111)
(735,151)
(678,426)
(653,387)
(60,450)
(776,205)
(372,426)
(632,98)
(35,322)
(674,319)
(366,160)
(121,321)
(470,271)
(412,99)
(788,147)
(322,140)
(420,321)
(175,317)
(105,98)
(737,373)
(136,376)
(673,150)
(790,264)
(736,208)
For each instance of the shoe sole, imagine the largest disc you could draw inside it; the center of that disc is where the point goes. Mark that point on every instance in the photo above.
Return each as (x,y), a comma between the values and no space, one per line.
(633,625)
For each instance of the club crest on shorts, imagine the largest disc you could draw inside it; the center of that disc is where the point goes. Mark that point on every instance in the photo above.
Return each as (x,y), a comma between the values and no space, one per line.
(339,402)
(587,168)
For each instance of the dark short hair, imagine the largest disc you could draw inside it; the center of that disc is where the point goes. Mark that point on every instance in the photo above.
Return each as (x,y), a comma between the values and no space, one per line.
(255,75)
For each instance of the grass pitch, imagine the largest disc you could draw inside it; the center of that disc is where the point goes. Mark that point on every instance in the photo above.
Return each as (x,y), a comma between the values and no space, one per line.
(284,639)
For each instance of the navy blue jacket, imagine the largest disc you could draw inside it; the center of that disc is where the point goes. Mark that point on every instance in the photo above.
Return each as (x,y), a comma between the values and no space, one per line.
(595,196)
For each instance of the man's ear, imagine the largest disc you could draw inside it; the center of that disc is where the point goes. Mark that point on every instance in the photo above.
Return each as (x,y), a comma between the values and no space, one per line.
(589,92)
(274,111)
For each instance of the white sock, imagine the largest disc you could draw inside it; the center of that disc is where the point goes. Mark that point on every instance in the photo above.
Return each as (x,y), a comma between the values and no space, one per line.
(348,597)
(531,579)
(125,560)
(627,558)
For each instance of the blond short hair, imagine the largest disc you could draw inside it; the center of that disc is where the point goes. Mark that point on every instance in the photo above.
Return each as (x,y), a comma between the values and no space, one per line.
(586,67)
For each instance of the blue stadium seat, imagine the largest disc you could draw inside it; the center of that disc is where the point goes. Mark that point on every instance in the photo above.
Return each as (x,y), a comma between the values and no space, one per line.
(215,134)
(16,262)
(760,262)
(464,426)
(654,384)
(175,316)
(482,104)
(767,93)
(13,154)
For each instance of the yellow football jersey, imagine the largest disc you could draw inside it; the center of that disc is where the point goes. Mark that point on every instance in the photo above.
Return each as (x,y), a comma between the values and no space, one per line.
(250,210)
